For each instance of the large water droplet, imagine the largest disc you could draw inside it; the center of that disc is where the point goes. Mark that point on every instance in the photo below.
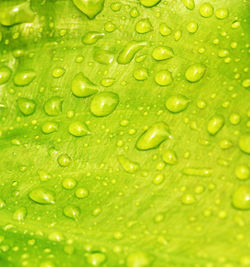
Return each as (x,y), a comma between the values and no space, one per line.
(195,72)
(163,78)
(13,12)
(206,10)
(149,3)
(64,160)
(153,137)
(241,198)
(42,196)
(169,156)
(244,143)
(82,86)
(177,103)
(162,53)
(143,26)
(89,7)
(215,124)
(25,77)
(26,106)
(78,129)
(53,106)
(95,258)
(104,104)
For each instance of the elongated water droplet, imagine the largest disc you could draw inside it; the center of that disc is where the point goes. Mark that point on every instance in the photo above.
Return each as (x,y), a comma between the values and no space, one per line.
(53,106)
(13,13)
(138,259)
(49,127)
(153,137)
(92,37)
(42,196)
(197,171)
(149,3)
(128,165)
(89,7)
(5,73)
(58,72)
(162,53)
(129,51)
(241,198)
(103,56)
(103,104)
(82,86)
(215,124)
(78,129)
(192,27)
(177,103)
(143,26)
(195,72)
(26,106)
(71,211)
(25,77)
(244,143)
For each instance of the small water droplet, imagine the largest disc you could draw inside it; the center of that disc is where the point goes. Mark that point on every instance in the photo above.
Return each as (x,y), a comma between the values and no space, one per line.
(188,199)
(20,214)
(26,106)
(81,192)
(95,258)
(169,156)
(163,78)
(78,129)
(164,29)
(138,259)
(221,13)
(197,171)
(5,73)
(162,53)
(128,165)
(215,124)
(53,106)
(143,26)
(189,4)
(242,172)
(141,74)
(49,127)
(71,211)
(89,7)
(82,86)
(92,37)
(69,183)
(206,10)
(244,143)
(195,72)
(177,103)
(58,72)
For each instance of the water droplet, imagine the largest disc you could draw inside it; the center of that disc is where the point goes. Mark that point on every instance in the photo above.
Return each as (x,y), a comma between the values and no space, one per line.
(188,199)
(246,83)
(241,198)
(104,103)
(78,129)
(53,106)
(197,171)
(138,259)
(153,137)
(134,12)
(13,13)
(2,203)
(221,13)
(107,82)
(177,103)
(169,156)
(116,6)
(242,172)
(215,124)
(225,144)
(5,73)
(158,179)
(25,77)
(162,53)
(58,72)
(69,183)
(109,26)
(44,176)
(192,27)
(47,264)
(129,51)
(95,258)
(206,10)
(26,106)
(177,35)
(234,118)
(141,74)
(244,143)
(163,78)
(42,196)
(71,211)
(89,7)
(149,3)
(195,72)
(103,56)
(82,86)
(128,165)
(189,4)
(143,26)
(92,37)
(20,214)
(49,127)
(64,160)
(81,192)
(55,236)
(164,29)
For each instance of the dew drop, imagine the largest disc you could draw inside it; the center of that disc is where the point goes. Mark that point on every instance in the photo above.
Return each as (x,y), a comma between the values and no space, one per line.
(26,106)
(143,26)
(138,259)
(141,74)
(64,160)
(177,103)
(58,72)
(221,13)
(192,27)
(69,183)
(244,143)
(95,258)
(25,77)
(128,165)
(104,103)
(49,127)
(215,124)
(5,73)
(188,199)
(53,106)
(164,29)
(195,72)
(78,129)
(206,10)
(242,172)
(163,78)
(92,37)
(189,4)
(71,211)
(162,53)
(20,214)
(103,56)
(153,137)
(241,198)
(89,7)
(81,192)
(42,196)
(169,156)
